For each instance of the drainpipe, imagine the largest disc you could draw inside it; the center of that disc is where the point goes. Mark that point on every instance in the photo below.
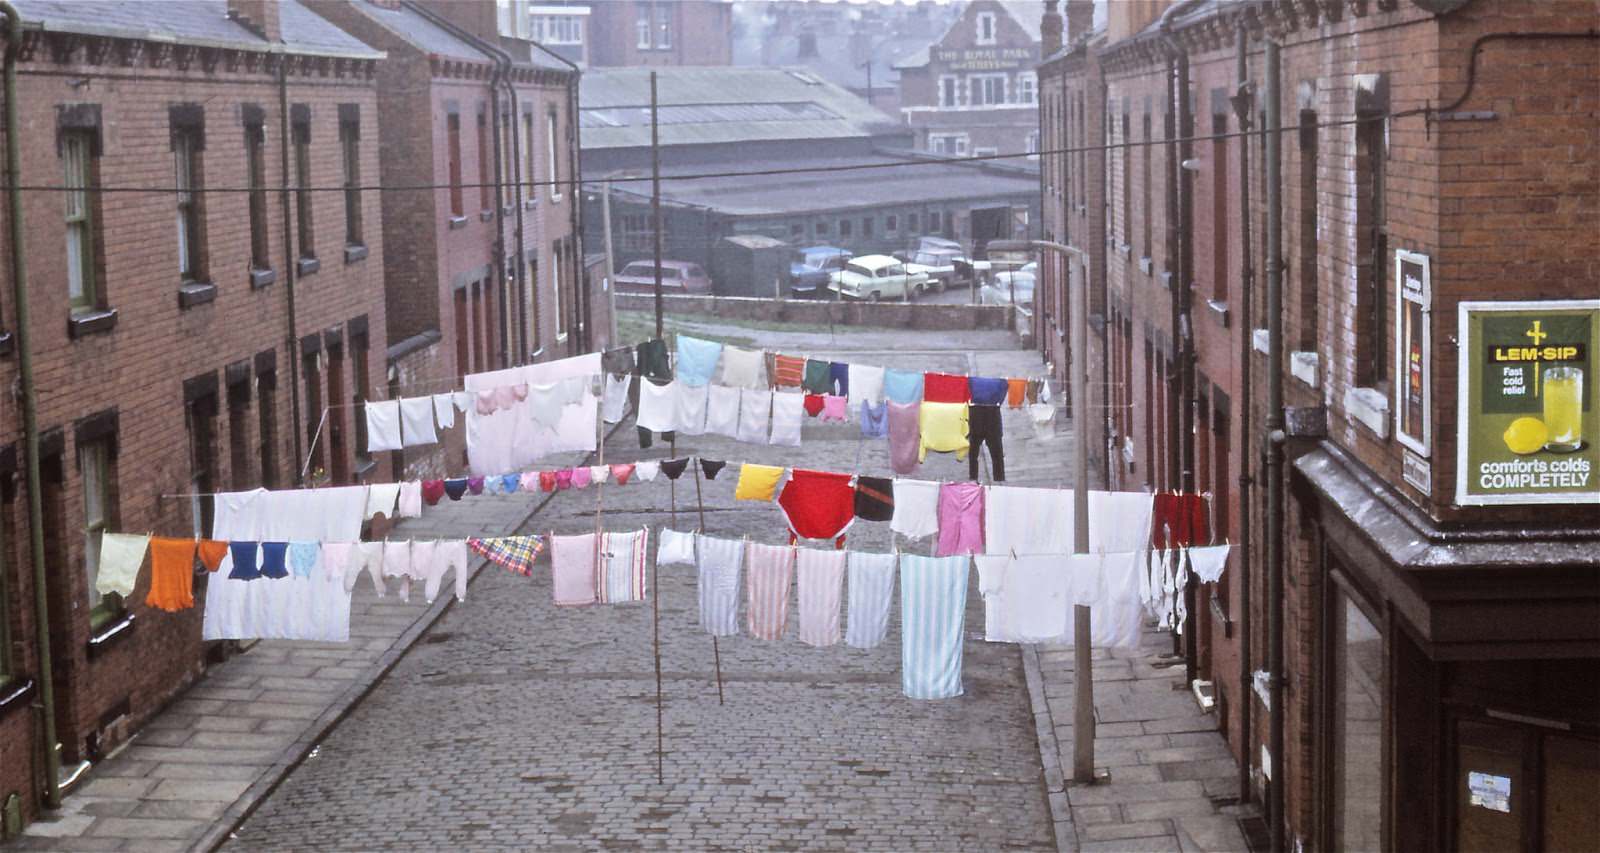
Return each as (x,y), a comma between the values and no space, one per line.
(1183,364)
(288,266)
(30,413)
(1274,444)
(574,215)
(503,64)
(1243,102)
(499,210)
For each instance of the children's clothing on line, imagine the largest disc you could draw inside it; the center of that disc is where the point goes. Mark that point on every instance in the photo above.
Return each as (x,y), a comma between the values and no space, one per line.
(245,567)
(674,468)
(368,557)
(572,569)
(834,408)
(381,499)
(335,559)
(121,555)
(711,467)
(818,504)
(905,436)
(675,547)
(1042,416)
(770,570)
(874,420)
(581,477)
(697,360)
(960,519)
(987,391)
(475,485)
(1016,391)
(719,562)
(1208,562)
(866,384)
(652,358)
(171,574)
(563,479)
(515,553)
(757,482)
(613,398)
(839,379)
(819,576)
(744,368)
(984,429)
(722,411)
(622,473)
(754,409)
(303,557)
(408,504)
(647,471)
(871,591)
(658,406)
(455,487)
(902,386)
(916,508)
(416,422)
(444,410)
(432,491)
(933,604)
(383,426)
(547,480)
(274,560)
(813,404)
(212,553)
(599,473)
(945,388)
(510,483)
(397,564)
(788,410)
(874,498)
(624,564)
(818,378)
(942,428)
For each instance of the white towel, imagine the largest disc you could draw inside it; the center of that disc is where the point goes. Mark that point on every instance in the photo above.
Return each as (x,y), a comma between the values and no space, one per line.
(444,410)
(691,408)
(753,409)
(744,368)
(383,426)
(614,399)
(674,547)
(416,421)
(788,412)
(658,406)
(722,411)
(866,383)
(916,508)
(121,555)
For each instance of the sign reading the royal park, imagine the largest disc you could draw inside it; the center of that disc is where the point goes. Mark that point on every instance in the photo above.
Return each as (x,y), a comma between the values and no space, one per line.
(1527,423)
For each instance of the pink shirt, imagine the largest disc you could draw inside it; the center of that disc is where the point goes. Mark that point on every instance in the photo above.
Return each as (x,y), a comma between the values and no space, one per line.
(834,408)
(960,519)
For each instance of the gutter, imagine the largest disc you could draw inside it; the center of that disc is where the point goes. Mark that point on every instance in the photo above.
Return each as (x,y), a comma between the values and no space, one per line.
(30,413)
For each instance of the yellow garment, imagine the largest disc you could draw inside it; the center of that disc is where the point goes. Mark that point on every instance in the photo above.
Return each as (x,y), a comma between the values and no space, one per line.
(944,428)
(757,482)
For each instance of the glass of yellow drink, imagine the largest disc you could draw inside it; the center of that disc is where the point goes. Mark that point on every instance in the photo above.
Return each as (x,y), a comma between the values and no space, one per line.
(1563,408)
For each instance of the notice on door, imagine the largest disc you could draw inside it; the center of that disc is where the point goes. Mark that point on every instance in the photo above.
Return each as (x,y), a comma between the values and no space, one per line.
(1488,791)
(1527,423)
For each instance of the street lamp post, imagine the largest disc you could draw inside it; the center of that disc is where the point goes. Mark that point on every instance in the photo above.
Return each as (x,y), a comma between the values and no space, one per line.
(1083,699)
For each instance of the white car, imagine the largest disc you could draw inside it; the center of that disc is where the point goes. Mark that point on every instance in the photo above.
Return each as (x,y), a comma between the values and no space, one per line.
(1004,285)
(875,277)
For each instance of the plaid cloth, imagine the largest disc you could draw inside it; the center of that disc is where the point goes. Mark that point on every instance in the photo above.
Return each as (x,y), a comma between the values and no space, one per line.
(516,553)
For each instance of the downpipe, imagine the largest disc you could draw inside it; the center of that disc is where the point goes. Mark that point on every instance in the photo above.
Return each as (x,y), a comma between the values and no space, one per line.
(1274,443)
(1243,104)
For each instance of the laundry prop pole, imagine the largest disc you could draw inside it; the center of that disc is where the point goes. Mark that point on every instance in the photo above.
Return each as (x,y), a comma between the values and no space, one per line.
(716,651)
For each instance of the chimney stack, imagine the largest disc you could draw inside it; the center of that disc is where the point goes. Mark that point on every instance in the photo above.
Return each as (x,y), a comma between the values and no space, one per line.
(257,16)
(1080,18)
(1050,29)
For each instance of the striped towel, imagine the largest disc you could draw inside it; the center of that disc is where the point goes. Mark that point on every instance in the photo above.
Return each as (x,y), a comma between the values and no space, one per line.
(516,553)
(933,607)
(719,561)
(771,570)
(624,567)
(871,591)
(788,371)
(820,578)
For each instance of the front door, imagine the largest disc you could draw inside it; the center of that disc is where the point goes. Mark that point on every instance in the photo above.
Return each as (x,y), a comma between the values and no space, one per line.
(1521,787)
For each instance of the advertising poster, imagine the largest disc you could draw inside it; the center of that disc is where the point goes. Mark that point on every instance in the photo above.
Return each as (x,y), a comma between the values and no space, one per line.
(1413,361)
(1527,421)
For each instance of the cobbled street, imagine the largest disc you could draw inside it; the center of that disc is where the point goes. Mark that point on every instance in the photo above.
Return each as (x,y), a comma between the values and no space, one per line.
(516,724)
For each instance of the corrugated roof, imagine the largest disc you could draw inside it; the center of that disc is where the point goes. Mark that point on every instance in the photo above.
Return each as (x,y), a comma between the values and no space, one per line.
(200,22)
(720,104)
(820,192)
(421,32)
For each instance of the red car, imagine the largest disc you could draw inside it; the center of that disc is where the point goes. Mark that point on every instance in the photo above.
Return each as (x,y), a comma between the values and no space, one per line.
(676,277)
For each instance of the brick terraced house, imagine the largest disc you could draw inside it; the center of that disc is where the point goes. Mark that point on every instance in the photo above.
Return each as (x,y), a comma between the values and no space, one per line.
(482,272)
(1441,658)
(205,288)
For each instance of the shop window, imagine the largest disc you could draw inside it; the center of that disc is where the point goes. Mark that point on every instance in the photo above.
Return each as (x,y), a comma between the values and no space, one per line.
(1356,718)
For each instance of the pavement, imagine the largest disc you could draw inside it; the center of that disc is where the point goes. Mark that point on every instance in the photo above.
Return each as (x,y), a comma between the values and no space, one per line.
(505,722)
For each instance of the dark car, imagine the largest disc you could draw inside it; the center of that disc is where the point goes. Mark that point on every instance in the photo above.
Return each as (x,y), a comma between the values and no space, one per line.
(676,277)
(813,269)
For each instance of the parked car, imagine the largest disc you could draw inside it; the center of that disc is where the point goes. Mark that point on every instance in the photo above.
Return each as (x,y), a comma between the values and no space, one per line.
(813,269)
(676,277)
(875,277)
(1005,284)
(945,267)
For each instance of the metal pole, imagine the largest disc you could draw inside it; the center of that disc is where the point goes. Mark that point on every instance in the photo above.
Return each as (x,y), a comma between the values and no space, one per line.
(655,194)
(30,415)
(1274,439)
(1242,108)
(1083,656)
(611,262)
(289,266)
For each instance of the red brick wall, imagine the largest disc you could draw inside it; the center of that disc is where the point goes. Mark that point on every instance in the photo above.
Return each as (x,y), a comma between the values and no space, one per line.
(139,366)
(702,33)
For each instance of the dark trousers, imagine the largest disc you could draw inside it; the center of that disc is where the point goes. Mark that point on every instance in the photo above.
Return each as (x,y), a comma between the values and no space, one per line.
(983,428)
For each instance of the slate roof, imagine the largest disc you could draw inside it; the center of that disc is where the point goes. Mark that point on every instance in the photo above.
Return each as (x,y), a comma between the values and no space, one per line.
(421,32)
(807,192)
(718,105)
(198,22)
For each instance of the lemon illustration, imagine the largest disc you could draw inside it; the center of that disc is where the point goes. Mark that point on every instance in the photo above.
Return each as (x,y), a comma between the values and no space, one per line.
(1526,435)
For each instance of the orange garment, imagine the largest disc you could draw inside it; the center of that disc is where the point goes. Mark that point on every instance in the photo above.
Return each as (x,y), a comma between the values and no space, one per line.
(787,371)
(1016,389)
(211,553)
(171,574)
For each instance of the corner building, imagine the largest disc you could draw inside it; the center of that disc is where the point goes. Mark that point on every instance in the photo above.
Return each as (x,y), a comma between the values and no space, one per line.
(1441,657)
(163,243)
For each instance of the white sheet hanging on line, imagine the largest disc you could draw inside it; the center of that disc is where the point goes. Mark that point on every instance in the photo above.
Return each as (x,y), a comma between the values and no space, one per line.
(383,426)
(1027,521)
(511,439)
(416,422)
(291,608)
(722,411)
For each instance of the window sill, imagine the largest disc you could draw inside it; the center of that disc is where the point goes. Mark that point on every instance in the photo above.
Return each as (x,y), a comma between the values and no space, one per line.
(457,223)
(556,199)
(307,266)
(1219,309)
(260,278)
(195,293)
(486,215)
(1370,407)
(354,252)
(1125,250)
(110,634)
(7,343)
(1145,266)
(507,210)
(91,322)
(365,465)
(528,204)
(1166,280)
(15,693)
